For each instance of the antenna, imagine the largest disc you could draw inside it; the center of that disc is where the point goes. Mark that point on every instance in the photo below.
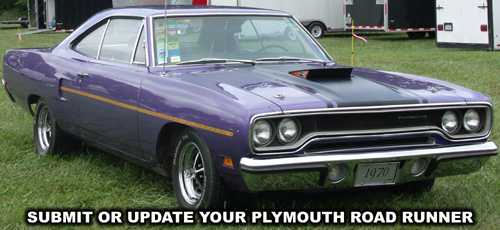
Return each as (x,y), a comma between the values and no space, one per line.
(165,40)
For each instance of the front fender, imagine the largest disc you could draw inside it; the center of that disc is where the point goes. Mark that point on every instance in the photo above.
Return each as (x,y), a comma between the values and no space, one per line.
(220,113)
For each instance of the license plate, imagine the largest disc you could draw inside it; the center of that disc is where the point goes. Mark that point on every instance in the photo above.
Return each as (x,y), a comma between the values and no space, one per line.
(376,174)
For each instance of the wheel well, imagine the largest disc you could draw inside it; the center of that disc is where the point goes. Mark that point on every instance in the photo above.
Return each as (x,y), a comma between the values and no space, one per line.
(165,146)
(320,23)
(32,99)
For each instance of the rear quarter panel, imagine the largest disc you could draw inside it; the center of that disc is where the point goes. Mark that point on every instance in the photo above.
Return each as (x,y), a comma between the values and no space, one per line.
(37,72)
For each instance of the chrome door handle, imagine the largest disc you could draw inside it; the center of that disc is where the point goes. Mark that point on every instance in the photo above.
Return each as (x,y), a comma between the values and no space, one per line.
(81,75)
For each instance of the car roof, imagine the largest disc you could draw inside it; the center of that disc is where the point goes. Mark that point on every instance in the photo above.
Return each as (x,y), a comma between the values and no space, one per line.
(146,11)
(177,10)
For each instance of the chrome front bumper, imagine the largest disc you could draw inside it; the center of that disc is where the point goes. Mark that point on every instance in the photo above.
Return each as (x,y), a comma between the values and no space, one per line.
(311,172)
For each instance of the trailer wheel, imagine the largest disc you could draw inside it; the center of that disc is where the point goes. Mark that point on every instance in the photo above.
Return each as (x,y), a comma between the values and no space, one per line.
(416,34)
(317,30)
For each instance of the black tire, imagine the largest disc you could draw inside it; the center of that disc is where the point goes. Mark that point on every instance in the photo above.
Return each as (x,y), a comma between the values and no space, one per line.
(197,183)
(416,34)
(317,30)
(48,138)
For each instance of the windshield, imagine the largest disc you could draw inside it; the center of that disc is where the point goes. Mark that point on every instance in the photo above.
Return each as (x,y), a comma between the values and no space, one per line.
(231,37)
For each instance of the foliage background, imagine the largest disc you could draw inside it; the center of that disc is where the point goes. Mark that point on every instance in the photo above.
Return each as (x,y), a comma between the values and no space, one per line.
(13,9)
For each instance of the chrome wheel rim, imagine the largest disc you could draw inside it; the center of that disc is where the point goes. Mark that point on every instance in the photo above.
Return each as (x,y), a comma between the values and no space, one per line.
(191,173)
(316,31)
(44,128)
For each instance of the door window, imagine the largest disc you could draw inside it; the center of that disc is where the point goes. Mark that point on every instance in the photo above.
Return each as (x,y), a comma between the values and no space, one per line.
(120,39)
(117,40)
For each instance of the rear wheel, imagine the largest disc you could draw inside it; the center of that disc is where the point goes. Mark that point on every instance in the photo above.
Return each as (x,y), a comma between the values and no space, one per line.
(48,138)
(197,183)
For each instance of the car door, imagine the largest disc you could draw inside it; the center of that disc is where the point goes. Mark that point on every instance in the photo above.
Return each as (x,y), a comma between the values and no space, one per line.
(109,83)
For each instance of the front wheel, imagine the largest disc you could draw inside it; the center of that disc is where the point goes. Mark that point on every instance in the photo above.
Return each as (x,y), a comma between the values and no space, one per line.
(48,138)
(197,183)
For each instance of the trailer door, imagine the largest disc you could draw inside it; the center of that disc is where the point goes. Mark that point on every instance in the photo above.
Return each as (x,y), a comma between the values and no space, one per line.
(462,21)
(411,14)
(336,21)
(369,14)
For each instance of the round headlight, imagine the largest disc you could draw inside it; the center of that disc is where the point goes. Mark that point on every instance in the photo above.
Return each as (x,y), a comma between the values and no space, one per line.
(288,130)
(472,121)
(449,122)
(262,132)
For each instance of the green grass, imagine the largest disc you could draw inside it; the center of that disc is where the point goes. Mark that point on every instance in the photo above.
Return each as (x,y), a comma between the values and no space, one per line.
(92,179)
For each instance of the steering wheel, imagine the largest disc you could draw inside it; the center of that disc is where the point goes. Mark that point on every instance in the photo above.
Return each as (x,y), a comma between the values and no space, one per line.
(273,46)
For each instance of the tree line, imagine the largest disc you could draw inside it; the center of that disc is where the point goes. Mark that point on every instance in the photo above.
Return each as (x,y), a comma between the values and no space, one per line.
(14,7)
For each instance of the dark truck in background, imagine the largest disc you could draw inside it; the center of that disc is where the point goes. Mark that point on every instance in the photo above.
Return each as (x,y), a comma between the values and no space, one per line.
(72,13)
(415,17)
(63,15)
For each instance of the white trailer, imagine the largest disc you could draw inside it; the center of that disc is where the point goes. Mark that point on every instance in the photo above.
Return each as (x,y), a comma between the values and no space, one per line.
(318,16)
(471,24)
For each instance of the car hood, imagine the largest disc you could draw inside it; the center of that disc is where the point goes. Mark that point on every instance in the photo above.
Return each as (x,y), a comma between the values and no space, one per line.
(331,88)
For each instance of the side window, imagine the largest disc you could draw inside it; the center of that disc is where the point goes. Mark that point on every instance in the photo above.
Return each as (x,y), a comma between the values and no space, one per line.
(120,39)
(140,50)
(89,45)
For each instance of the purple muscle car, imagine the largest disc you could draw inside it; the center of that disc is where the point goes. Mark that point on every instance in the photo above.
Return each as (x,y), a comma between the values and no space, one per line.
(242,99)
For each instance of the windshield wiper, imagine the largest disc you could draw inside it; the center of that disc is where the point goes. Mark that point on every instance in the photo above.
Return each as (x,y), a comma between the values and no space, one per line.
(285,58)
(215,61)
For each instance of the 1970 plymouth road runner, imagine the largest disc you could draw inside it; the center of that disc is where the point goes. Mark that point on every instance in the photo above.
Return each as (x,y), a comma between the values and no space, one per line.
(242,99)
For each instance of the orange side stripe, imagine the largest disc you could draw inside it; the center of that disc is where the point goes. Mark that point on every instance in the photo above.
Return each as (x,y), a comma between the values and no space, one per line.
(155,114)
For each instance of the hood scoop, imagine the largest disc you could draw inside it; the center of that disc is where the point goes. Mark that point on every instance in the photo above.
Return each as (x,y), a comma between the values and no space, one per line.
(318,75)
